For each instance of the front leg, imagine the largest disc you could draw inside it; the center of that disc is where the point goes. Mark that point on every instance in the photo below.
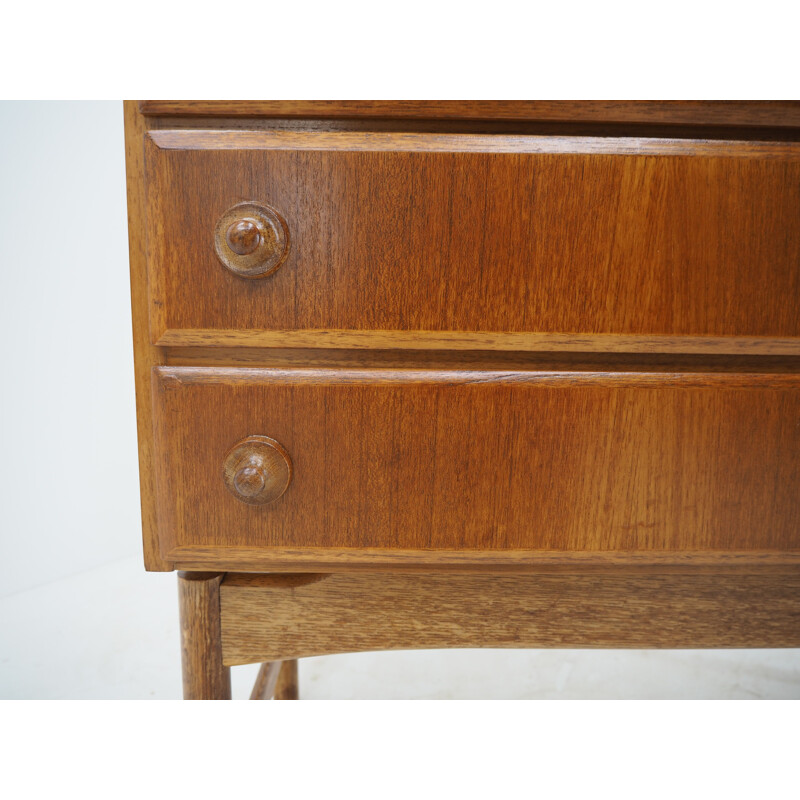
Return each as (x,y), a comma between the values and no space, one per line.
(204,675)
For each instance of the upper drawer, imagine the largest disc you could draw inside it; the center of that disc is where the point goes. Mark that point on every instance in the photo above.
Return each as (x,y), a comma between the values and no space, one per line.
(471,241)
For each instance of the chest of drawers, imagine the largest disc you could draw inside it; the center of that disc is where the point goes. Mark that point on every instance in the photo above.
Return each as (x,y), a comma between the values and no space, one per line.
(467,339)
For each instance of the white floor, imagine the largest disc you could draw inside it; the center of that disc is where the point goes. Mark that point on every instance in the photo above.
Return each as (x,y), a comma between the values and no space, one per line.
(112,633)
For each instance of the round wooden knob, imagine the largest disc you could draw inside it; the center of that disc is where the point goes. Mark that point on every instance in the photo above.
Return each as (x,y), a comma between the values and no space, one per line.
(251,240)
(243,236)
(251,479)
(257,470)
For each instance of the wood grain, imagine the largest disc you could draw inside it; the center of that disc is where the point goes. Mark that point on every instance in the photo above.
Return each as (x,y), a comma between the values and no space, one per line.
(491,360)
(470,340)
(535,365)
(314,560)
(413,142)
(594,130)
(257,470)
(376,376)
(274,617)
(421,460)
(204,675)
(785,113)
(266,681)
(288,687)
(145,355)
(484,250)
(251,240)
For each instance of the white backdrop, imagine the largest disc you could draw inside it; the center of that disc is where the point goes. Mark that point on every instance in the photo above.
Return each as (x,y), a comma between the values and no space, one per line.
(69,474)
(79,617)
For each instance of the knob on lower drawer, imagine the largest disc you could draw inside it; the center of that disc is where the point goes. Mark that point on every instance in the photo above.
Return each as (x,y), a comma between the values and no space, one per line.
(251,240)
(257,470)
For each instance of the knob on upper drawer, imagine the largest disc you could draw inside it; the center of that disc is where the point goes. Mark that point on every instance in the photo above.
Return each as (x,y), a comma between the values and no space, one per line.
(251,240)
(257,470)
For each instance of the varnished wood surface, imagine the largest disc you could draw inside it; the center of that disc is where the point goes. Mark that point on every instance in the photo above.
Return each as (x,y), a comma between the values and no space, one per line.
(593,130)
(599,131)
(266,681)
(145,355)
(531,561)
(414,142)
(251,240)
(205,677)
(535,365)
(491,360)
(288,686)
(421,460)
(737,112)
(484,250)
(257,470)
(376,376)
(274,617)
(470,340)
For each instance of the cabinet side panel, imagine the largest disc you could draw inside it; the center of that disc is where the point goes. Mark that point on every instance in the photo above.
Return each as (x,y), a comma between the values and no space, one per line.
(145,355)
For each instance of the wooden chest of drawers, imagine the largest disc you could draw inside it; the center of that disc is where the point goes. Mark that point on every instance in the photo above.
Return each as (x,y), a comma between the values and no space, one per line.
(391,335)
(509,336)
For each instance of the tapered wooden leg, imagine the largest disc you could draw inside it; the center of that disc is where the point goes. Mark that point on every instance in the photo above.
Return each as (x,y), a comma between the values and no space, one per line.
(266,681)
(288,687)
(204,676)
(276,679)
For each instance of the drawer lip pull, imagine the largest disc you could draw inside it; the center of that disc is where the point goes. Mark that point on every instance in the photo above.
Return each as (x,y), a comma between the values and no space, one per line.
(379,142)
(173,377)
(542,342)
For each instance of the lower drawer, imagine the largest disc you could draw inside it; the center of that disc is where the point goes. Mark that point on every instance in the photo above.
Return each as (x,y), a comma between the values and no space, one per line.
(319,468)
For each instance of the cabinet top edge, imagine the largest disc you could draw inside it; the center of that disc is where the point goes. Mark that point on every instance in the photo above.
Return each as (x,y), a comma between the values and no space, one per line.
(755,113)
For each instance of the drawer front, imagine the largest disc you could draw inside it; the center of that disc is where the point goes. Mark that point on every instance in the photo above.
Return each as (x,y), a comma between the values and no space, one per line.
(475,241)
(478,464)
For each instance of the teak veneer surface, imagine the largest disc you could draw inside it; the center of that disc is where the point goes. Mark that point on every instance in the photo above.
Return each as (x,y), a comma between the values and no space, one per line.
(429,245)
(483,462)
